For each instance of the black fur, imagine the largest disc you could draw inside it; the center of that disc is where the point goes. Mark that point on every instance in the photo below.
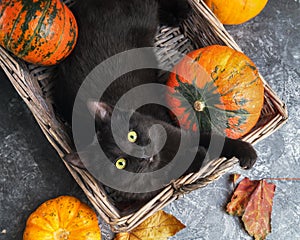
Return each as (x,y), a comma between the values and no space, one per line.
(108,27)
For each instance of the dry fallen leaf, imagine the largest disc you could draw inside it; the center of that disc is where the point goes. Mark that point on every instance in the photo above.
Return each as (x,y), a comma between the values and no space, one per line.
(257,216)
(235,177)
(253,201)
(241,197)
(159,226)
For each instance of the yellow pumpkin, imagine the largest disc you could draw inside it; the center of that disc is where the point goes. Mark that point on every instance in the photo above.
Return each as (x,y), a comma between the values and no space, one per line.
(235,11)
(62,218)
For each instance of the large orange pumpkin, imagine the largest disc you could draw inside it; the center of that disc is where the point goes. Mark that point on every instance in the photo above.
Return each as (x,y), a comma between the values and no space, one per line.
(236,11)
(42,32)
(62,218)
(222,87)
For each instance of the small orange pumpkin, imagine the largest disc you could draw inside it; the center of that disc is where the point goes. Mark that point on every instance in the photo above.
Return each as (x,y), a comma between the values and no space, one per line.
(42,32)
(222,87)
(62,218)
(236,11)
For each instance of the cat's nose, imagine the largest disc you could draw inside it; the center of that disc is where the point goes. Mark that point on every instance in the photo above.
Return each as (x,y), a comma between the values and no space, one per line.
(148,158)
(145,156)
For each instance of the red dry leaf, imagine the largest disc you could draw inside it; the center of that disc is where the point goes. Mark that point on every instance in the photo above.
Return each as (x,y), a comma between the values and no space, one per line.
(241,197)
(257,216)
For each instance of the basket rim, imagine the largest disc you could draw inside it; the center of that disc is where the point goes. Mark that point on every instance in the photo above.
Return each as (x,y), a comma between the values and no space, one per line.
(25,79)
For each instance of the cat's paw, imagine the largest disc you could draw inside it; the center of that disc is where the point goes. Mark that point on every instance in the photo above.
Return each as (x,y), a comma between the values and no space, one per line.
(245,153)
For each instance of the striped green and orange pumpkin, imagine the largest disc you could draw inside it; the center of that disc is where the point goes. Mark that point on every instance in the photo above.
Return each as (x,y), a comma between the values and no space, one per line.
(42,32)
(222,87)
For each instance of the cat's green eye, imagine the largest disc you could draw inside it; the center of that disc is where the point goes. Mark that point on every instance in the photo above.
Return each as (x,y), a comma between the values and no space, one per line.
(121,163)
(132,136)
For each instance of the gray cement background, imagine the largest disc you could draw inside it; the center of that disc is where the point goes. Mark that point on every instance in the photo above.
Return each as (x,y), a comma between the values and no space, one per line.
(31,172)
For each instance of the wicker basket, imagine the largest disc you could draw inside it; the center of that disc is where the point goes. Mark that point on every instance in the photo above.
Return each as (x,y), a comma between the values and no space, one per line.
(33,83)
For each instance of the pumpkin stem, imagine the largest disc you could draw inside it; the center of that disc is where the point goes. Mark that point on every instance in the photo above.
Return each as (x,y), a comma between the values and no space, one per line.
(199,106)
(61,234)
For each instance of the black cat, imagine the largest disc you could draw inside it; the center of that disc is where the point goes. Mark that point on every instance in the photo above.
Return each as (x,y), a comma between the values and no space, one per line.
(106,28)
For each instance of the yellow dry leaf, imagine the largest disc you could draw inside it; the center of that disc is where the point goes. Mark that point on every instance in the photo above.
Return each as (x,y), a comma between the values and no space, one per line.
(235,177)
(159,226)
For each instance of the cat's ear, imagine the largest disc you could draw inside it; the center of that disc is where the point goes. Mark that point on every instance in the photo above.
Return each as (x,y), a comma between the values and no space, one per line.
(100,110)
(74,159)
(85,157)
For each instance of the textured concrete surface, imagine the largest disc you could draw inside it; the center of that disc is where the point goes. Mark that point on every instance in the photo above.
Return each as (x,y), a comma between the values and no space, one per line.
(31,172)
(272,40)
